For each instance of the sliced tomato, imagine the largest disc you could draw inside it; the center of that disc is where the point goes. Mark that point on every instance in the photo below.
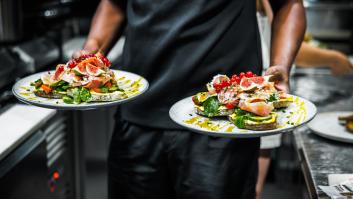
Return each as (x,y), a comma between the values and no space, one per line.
(230,106)
(47,89)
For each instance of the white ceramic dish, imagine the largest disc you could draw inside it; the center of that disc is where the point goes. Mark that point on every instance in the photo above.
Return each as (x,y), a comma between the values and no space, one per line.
(24,92)
(327,125)
(183,113)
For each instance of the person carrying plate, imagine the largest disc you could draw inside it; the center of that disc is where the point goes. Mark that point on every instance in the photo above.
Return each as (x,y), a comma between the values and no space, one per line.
(178,46)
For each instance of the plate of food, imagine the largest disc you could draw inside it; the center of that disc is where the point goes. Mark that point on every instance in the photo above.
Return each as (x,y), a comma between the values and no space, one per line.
(83,83)
(245,105)
(336,125)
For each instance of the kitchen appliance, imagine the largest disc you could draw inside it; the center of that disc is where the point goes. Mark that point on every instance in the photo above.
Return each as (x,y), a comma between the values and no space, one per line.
(330,21)
(40,167)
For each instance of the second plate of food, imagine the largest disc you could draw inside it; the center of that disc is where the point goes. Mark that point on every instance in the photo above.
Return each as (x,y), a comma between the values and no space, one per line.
(130,84)
(298,113)
(329,125)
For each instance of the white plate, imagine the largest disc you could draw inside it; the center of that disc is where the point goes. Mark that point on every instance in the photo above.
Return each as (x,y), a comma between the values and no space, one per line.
(328,126)
(183,113)
(24,92)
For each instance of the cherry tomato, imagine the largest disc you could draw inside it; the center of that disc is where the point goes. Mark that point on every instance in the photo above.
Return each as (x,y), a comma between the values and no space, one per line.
(218,86)
(230,106)
(249,74)
(225,84)
(105,60)
(241,75)
(235,79)
(238,80)
(72,63)
(232,79)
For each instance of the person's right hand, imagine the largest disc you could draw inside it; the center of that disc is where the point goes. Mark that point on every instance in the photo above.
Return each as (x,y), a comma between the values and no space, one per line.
(91,47)
(341,65)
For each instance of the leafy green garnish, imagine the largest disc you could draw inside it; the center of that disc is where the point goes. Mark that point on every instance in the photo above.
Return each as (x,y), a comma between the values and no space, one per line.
(273,97)
(68,99)
(239,121)
(114,88)
(76,95)
(80,94)
(211,106)
(37,84)
(104,89)
(58,84)
(85,95)
(240,117)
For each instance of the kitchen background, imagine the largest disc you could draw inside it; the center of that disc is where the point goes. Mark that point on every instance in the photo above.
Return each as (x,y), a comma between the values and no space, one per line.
(61,154)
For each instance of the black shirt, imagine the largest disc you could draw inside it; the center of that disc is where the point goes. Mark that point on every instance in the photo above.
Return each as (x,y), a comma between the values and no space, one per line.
(179,45)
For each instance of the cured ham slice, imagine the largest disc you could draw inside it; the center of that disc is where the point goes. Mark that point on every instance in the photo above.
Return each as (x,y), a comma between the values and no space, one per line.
(260,108)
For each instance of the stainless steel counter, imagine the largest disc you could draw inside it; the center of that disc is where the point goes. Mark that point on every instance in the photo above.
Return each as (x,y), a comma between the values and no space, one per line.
(319,156)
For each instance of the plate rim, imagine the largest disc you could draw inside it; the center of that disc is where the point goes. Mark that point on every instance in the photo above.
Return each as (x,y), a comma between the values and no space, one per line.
(87,106)
(249,133)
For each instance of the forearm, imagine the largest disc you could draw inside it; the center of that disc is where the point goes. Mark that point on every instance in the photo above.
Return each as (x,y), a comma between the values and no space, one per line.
(309,56)
(287,32)
(104,27)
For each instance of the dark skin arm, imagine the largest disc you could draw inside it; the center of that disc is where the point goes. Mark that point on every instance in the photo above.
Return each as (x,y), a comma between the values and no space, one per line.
(107,21)
(288,28)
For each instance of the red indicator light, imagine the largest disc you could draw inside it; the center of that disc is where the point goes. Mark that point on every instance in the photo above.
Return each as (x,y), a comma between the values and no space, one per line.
(56,175)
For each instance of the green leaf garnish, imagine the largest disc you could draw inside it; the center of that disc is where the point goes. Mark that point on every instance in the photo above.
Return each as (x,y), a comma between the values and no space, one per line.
(211,106)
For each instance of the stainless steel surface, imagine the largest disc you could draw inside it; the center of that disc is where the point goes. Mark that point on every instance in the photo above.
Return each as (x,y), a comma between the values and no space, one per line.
(329,19)
(29,169)
(15,158)
(10,20)
(319,156)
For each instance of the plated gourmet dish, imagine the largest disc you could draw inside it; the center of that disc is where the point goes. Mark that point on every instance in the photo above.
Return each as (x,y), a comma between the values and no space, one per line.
(249,101)
(85,79)
(87,82)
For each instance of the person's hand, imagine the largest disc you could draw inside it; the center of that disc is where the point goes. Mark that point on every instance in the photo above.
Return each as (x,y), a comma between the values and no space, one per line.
(280,77)
(91,47)
(341,65)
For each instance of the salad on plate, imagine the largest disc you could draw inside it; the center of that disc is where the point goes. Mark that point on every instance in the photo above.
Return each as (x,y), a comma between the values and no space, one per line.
(85,79)
(248,101)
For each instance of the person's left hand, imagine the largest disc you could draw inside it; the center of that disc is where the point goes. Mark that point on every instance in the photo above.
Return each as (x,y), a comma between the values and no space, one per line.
(280,77)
